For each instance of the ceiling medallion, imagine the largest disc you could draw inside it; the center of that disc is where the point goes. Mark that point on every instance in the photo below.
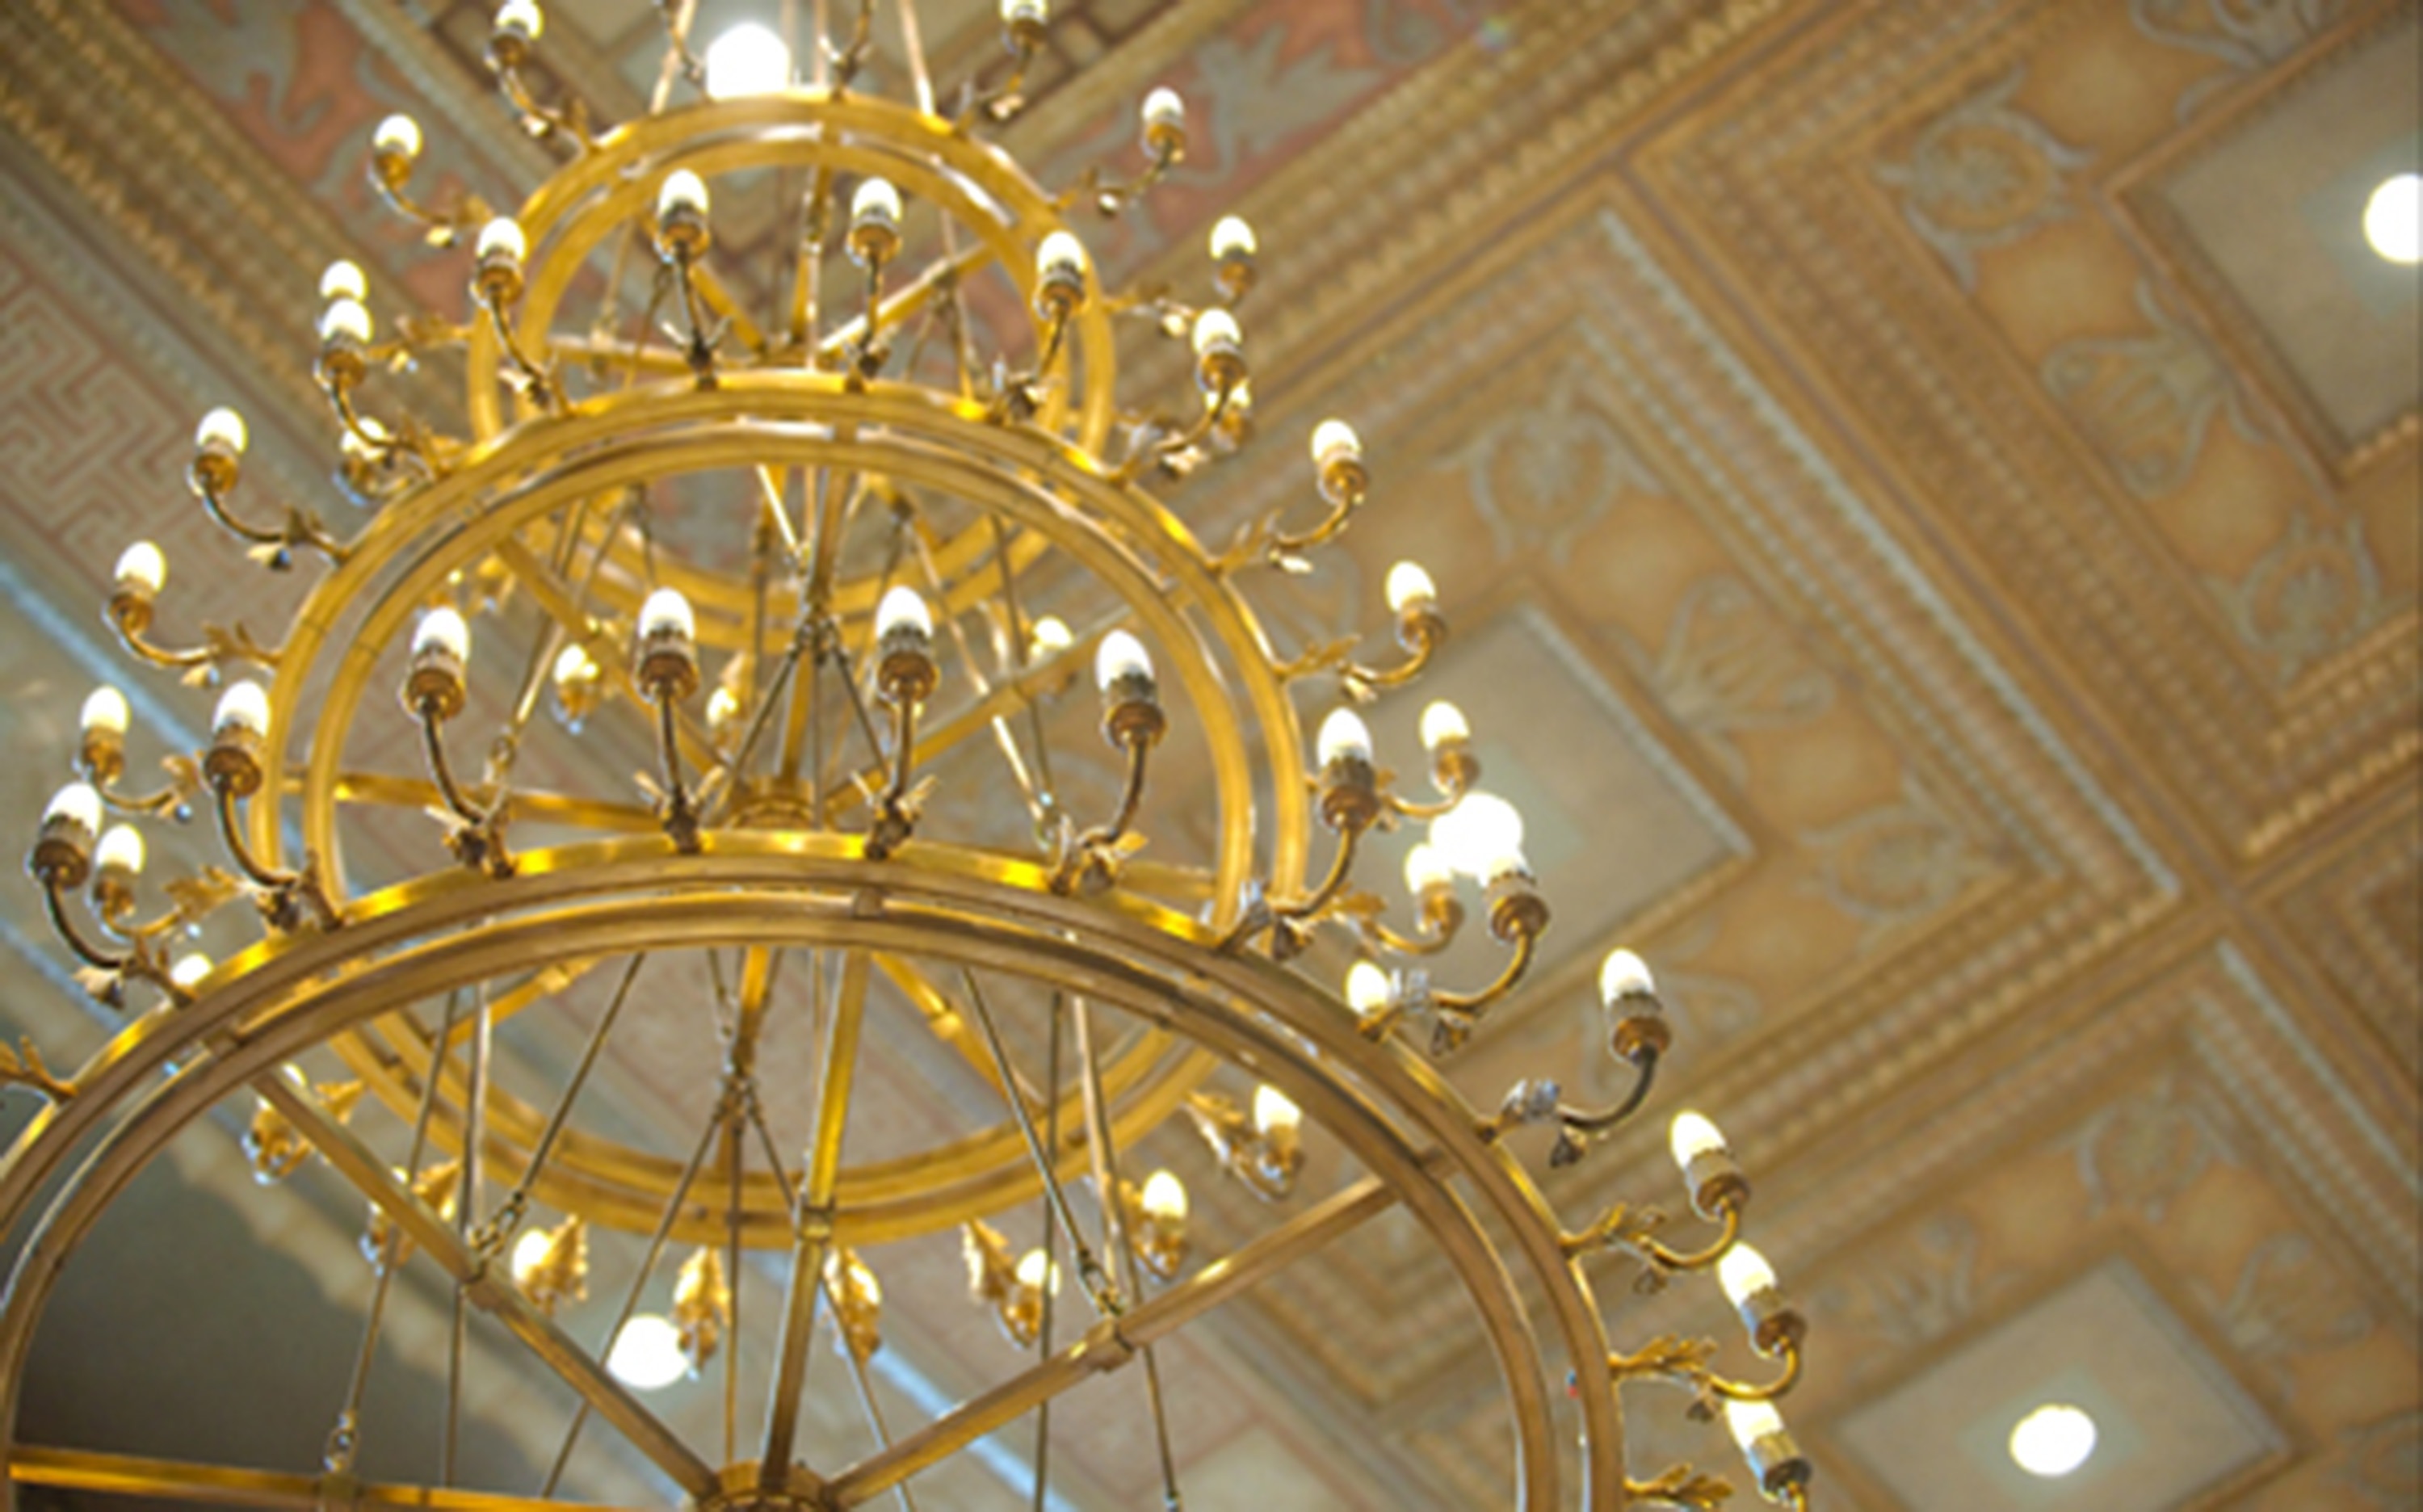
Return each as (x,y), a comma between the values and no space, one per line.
(819,524)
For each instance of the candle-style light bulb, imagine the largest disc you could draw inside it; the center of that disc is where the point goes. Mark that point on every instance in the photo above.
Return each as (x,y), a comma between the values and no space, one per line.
(1443,723)
(1479,831)
(667,613)
(1751,1421)
(221,430)
(1344,737)
(344,279)
(79,803)
(574,664)
(1408,585)
(503,238)
(522,18)
(1165,110)
(1743,1272)
(1692,1136)
(1032,12)
(1035,1272)
(903,609)
(443,629)
(189,970)
(1120,655)
(1273,1114)
(1622,974)
(1164,1198)
(876,200)
(244,707)
(1367,988)
(345,320)
(1215,330)
(1048,637)
(397,136)
(106,712)
(1231,236)
(749,59)
(1060,254)
(1334,440)
(142,567)
(120,850)
(682,193)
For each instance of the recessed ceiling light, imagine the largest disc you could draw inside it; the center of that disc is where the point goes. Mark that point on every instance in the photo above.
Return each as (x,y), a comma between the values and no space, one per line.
(2052,1440)
(2393,218)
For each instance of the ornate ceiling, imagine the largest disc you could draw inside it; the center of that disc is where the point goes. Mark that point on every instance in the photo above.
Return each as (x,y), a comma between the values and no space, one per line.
(1928,494)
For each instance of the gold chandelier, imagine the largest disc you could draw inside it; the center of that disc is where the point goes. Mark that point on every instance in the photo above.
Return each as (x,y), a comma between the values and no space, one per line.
(827,550)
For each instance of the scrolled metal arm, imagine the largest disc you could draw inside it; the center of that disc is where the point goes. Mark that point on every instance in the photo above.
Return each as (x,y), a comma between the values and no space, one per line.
(286,888)
(219,646)
(535,381)
(300,529)
(1525,945)
(1665,1259)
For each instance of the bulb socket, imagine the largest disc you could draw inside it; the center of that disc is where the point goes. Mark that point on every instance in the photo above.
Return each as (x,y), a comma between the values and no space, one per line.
(1059,290)
(1776,1460)
(1715,1182)
(1774,1322)
(1349,793)
(101,756)
(905,670)
(1220,365)
(1420,627)
(1516,910)
(1454,768)
(682,233)
(232,763)
(509,45)
(1639,1029)
(215,468)
(667,663)
(1234,272)
(1131,713)
(497,276)
(343,362)
(62,853)
(434,684)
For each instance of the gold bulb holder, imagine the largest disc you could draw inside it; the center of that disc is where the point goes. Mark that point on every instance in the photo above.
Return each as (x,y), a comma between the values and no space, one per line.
(1160,1245)
(1164,141)
(1516,910)
(857,1301)
(390,172)
(905,670)
(101,756)
(344,360)
(1220,366)
(1715,1182)
(1774,1322)
(682,234)
(498,278)
(1776,1460)
(1639,1030)
(61,858)
(214,468)
(667,664)
(1454,768)
(1344,480)
(113,892)
(577,696)
(874,240)
(508,47)
(1131,712)
(1023,36)
(559,1272)
(1350,795)
(1060,291)
(1420,628)
(433,688)
(1442,910)
(232,763)
(130,605)
(1234,273)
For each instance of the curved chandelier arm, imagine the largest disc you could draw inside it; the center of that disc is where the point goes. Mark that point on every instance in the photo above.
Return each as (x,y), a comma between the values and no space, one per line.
(299,529)
(681,811)
(1341,866)
(1788,1350)
(1585,1123)
(286,888)
(441,769)
(1422,635)
(699,352)
(1442,920)
(535,381)
(1657,1254)
(1526,945)
(174,800)
(848,60)
(129,615)
(64,924)
(999,106)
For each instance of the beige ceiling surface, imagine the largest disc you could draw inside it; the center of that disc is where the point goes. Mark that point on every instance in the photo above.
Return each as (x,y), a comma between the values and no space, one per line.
(1940,584)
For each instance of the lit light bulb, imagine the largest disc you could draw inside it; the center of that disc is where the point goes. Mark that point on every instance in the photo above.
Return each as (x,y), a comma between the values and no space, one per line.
(1623,974)
(1344,737)
(521,17)
(876,200)
(398,136)
(903,609)
(120,850)
(748,59)
(574,664)
(1481,830)
(344,279)
(79,803)
(1121,655)
(1367,988)
(529,1253)
(345,320)
(1743,1272)
(1048,637)
(1036,1271)
(1165,110)
(1692,1136)
(2052,1440)
(667,613)
(1425,867)
(1753,1421)
(647,1354)
(2393,219)
(1061,253)
(222,430)
(189,970)
(106,712)
(1274,1113)
(1333,440)
(501,238)
(1216,328)
(683,191)
(1164,1198)
(443,629)
(1232,237)
(723,708)
(1033,11)
(1443,723)
(1408,585)
(142,565)
(243,707)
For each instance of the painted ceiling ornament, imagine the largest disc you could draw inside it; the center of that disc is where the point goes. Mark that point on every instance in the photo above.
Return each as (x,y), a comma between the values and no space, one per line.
(2145,1150)
(1543,472)
(2290,1300)
(1981,175)
(1731,663)
(1916,1288)
(2248,34)
(2383,1461)
(2145,401)
(2314,592)
(1894,864)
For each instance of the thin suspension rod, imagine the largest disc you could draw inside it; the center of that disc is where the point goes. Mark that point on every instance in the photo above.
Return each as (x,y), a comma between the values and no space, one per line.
(1089,1269)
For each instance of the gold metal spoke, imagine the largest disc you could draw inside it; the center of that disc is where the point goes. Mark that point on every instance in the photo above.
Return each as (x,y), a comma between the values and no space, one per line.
(1111,1343)
(84,1469)
(950,1026)
(549,807)
(938,737)
(357,1163)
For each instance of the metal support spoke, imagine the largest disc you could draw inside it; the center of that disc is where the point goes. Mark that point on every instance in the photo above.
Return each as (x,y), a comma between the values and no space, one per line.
(813,1219)
(545,807)
(947,1023)
(81,1469)
(609,1397)
(510,1211)
(1089,1269)
(1112,1342)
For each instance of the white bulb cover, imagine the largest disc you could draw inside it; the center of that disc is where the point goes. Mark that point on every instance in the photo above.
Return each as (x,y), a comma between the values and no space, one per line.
(682,190)
(1037,1271)
(1061,250)
(1481,829)
(2052,1440)
(1163,106)
(666,610)
(399,135)
(1692,1136)
(244,707)
(1273,1113)
(529,1252)
(142,564)
(120,850)
(1049,636)
(749,59)
(523,16)
(222,429)
(1343,734)
(903,607)
(1443,723)
(1408,585)
(1215,327)
(1425,867)
(574,664)
(104,711)
(1012,11)
(1753,1421)
(722,706)
(876,200)
(445,629)
(1367,988)
(502,237)
(1623,973)
(2393,219)
(1334,440)
(647,1354)
(1164,1197)
(189,970)
(1233,237)
(1120,655)
(344,279)
(1743,1272)
(345,318)
(77,801)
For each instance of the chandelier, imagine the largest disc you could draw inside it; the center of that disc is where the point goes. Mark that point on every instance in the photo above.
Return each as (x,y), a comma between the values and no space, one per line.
(825,546)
